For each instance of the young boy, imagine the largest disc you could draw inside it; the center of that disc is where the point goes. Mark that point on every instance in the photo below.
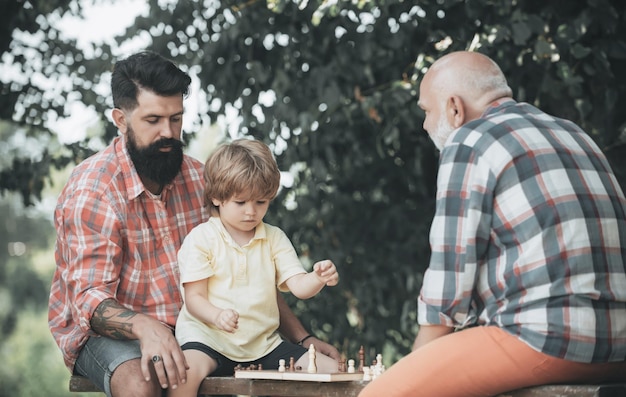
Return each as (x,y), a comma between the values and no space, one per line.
(230,268)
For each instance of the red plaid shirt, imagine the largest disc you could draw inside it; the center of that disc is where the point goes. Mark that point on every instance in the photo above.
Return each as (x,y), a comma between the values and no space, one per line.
(117,240)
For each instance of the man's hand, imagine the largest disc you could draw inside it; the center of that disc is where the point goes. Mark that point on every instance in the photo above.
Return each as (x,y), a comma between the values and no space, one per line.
(322,347)
(292,329)
(159,347)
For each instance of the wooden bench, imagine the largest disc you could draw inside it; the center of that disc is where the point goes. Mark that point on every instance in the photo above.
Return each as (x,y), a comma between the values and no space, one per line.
(224,386)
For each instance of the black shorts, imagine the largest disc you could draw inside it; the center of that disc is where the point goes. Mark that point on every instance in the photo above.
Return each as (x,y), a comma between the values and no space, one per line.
(226,366)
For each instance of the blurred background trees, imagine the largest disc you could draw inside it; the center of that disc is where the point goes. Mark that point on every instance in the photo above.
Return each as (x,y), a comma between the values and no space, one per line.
(332,87)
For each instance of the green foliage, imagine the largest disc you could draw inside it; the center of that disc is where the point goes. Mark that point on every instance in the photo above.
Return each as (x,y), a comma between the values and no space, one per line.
(31,361)
(21,286)
(332,86)
(43,74)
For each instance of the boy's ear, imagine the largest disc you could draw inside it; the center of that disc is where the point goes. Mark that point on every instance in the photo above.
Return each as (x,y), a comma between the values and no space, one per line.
(455,111)
(216,203)
(119,118)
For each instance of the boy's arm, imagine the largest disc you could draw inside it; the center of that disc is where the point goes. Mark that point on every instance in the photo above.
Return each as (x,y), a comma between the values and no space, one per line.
(199,306)
(304,285)
(307,285)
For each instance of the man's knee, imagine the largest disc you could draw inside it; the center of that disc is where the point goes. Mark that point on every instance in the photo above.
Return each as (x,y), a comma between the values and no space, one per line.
(128,381)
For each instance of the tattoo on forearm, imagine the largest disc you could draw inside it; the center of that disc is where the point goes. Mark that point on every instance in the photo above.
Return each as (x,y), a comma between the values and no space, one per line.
(112,319)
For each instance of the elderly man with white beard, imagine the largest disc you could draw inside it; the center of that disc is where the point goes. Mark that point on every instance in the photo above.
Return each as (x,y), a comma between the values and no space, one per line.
(526,283)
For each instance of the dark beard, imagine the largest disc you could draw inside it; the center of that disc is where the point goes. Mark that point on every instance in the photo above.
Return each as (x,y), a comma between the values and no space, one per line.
(151,163)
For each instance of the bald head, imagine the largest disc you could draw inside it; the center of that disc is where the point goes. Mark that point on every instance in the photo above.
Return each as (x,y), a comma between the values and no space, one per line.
(471,76)
(457,89)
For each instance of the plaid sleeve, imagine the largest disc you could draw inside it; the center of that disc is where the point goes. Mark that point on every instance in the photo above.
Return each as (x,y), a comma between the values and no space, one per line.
(92,253)
(458,237)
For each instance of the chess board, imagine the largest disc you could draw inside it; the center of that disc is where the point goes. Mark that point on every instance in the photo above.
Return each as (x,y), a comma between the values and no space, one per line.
(298,376)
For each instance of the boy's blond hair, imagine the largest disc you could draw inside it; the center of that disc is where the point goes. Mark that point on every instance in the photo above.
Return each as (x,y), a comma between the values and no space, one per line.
(243,165)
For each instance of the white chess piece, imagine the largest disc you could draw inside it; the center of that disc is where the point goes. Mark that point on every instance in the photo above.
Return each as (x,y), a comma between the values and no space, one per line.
(366,374)
(281,365)
(312,366)
(351,369)
(379,368)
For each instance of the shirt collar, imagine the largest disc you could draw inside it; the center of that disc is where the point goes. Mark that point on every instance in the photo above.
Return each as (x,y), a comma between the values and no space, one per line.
(497,105)
(260,232)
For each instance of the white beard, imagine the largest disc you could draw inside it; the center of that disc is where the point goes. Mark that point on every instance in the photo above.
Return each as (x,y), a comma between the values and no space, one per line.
(441,133)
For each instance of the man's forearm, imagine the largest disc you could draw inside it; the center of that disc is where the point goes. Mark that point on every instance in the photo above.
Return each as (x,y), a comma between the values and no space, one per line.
(429,333)
(290,327)
(113,320)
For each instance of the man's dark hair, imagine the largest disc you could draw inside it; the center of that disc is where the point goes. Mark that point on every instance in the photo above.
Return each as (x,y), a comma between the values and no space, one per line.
(146,70)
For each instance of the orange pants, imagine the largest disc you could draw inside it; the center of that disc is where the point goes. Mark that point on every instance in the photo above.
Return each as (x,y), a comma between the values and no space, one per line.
(482,361)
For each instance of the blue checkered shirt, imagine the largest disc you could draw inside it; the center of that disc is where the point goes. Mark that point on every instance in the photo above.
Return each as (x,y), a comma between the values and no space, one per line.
(529,235)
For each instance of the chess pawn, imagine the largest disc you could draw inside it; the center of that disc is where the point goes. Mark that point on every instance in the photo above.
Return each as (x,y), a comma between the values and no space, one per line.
(281,365)
(366,374)
(351,368)
(376,370)
(373,373)
(292,365)
(312,366)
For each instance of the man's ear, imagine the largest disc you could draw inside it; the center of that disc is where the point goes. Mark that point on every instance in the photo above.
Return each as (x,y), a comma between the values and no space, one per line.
(455,111)
(119,118)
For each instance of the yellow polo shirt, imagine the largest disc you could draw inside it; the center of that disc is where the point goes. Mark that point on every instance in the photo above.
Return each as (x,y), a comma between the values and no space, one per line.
(241,278)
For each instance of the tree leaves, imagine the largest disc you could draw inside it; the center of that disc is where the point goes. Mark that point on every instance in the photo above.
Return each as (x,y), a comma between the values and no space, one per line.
(342,79)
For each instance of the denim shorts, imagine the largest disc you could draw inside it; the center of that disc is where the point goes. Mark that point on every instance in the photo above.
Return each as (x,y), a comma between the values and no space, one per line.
(226,366)
(101,356)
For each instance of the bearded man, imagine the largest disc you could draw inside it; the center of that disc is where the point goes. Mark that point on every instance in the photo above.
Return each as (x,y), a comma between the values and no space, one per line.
(120,221)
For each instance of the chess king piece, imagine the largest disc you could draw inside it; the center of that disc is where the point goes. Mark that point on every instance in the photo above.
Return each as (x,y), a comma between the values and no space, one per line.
(361,358)
(312,365)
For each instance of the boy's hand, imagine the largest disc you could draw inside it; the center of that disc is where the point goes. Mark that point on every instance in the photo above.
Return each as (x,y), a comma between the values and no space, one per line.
(326,272)
(227,320)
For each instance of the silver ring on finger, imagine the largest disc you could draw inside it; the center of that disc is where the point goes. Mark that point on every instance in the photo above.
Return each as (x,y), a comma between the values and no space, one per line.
(156,358)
